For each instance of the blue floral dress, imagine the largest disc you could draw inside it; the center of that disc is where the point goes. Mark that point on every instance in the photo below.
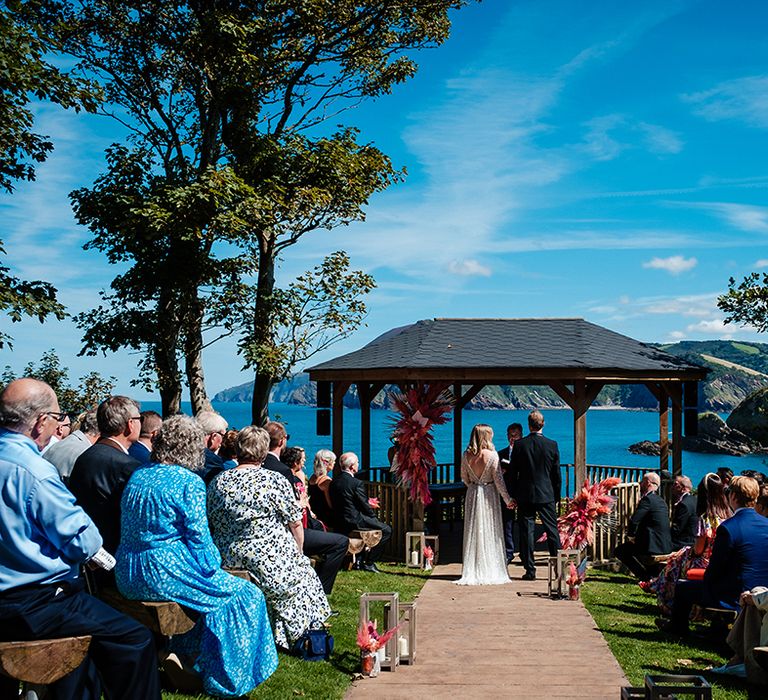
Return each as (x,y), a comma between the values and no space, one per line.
(249,509)
(166,553)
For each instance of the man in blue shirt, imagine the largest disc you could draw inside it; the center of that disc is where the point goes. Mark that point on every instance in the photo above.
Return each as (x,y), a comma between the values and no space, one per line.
(44,539)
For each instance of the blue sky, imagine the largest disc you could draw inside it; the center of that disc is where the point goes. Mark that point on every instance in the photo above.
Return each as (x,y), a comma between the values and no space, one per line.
(591,159)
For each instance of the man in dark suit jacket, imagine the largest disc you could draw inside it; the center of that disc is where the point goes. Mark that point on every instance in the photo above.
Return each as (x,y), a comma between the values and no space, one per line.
(514,433)
(739,560)
(331,547)
(101,472)
(535,481)
(352,509)
(648,530)
(685,522)
(214,426)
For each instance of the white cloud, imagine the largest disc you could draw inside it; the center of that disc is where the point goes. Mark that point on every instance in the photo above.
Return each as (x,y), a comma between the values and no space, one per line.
(675,264)
(745,217)
(468,268)
(610,135)
(660,140)
(713,327)
(676,335)
(745,99)
(598,141)
(761,263)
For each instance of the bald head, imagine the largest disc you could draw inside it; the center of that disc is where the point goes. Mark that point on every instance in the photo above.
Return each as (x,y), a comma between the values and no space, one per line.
(26,406)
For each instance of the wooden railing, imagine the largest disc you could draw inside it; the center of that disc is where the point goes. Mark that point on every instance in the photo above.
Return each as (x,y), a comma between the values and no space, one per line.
(612,530)
(395,509)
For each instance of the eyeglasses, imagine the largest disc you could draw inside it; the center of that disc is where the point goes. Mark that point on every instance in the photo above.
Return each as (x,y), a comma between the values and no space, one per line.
(138,418)
(60,417)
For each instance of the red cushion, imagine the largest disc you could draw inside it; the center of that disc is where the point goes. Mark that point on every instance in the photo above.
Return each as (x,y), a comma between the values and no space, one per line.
(695,574)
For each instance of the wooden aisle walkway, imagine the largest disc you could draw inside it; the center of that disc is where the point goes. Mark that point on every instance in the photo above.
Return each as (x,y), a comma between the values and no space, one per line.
(508,641)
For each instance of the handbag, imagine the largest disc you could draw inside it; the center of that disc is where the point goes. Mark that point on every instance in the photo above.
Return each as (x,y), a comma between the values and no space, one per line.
(316,644)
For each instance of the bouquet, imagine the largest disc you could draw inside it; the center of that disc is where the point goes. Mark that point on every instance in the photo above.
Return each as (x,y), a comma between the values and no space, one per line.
(577,524)
(429,555)
(369,640)
(576,576)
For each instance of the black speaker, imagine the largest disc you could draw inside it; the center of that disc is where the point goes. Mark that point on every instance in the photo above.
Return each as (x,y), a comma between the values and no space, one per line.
(323,421)
(323,396)
(691,395)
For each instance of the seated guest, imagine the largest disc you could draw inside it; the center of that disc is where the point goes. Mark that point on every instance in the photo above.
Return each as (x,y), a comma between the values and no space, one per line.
(228,449)
(295,458)
(101,472)
(648,530)
(166,553)
(320,484)
(215,427)
(64,453)
(712,508)
(725,475)
(330,547)
(353,511)
(761,505)
(749,630)
(684,519)
(46,538)
(739,560)
(256,525)
(150,424)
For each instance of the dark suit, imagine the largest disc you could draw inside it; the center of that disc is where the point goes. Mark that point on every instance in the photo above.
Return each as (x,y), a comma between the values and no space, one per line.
(685,522)
(738,563)
(353,512)
(97,482)
(507,515)
(213,466)
(140,452)
(330,546)
(649,525)
(535,481)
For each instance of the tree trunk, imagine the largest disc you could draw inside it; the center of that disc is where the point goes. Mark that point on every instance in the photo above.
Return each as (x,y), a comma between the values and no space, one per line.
(262,332)
(166,359)
(193,359)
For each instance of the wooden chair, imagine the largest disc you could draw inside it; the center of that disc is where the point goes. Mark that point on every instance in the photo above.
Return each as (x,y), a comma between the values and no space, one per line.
(42,661)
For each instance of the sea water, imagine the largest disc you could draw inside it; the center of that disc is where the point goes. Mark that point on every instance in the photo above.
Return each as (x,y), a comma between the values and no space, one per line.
(609,434)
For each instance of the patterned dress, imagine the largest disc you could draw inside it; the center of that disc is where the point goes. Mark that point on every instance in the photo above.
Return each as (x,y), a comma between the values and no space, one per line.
(166,553)
(249,509)
(680,562)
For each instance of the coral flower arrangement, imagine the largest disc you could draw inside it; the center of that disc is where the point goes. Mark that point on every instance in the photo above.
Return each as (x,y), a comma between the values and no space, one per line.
(577,524)
(369,640)
(420,408)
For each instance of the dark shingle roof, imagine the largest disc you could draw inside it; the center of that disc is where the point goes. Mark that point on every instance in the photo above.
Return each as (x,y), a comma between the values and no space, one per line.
(493,343)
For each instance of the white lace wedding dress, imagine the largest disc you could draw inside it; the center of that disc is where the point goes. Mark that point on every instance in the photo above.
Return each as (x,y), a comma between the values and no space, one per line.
(484,558)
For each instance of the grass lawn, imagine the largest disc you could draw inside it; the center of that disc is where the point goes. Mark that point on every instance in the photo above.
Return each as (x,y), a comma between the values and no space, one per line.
(625,616)
(329,680)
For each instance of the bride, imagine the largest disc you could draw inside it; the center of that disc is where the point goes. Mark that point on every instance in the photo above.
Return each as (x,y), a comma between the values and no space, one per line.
(484,557)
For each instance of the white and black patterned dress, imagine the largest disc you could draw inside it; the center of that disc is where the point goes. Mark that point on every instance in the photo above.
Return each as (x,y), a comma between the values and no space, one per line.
(249,509)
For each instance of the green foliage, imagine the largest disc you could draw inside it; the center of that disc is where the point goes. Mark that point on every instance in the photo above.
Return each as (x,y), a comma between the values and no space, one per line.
(318,309)
(747,301)
(92,389)
(625,617)
(743,347)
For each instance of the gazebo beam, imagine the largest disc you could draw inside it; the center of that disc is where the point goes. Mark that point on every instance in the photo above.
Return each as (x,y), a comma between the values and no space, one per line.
(461,401)
(675,391)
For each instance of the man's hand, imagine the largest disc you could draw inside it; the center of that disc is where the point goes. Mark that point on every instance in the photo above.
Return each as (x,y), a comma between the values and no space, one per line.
(746,599)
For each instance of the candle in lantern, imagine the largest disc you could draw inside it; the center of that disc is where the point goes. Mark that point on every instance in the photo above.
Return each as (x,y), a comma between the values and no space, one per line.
(414,558)
(402,646)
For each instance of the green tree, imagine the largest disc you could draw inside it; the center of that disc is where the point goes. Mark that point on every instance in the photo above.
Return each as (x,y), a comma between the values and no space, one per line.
(92,389)
(250,86)
(25,76)
(747,301)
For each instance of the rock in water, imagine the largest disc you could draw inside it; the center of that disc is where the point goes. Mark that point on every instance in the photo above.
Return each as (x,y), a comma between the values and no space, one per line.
(751,416)
(646,447)
(716,437)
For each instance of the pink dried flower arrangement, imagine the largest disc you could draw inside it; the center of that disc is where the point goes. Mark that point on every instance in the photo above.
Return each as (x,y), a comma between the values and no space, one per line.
(429,555)
(577,524)
(369,640)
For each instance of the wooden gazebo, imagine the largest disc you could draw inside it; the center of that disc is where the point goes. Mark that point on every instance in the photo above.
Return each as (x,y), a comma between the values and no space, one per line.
(572,356)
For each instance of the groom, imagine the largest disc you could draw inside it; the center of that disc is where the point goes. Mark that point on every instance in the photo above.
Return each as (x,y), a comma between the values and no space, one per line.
(534,476)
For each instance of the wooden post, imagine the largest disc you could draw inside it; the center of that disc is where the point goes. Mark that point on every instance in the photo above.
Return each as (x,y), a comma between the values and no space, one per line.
(579,435)
(457,409)
(339,389)
(363,393)
(663,428)
(675,392)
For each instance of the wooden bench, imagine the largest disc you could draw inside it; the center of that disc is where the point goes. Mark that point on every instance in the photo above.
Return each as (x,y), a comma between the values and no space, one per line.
(164,618)
(42,661)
